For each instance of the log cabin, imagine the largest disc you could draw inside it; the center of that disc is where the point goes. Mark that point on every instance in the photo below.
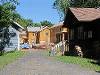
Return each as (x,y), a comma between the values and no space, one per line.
(84,30)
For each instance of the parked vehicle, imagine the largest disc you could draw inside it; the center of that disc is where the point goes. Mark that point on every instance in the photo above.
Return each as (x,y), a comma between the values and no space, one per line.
(25,46)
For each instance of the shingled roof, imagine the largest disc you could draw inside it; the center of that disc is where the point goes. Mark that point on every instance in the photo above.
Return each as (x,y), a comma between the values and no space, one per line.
(33,29)
(86,14)
(36,29)
(58,24)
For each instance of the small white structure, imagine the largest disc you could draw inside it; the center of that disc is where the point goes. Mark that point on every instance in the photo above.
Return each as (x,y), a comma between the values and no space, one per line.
(14,43)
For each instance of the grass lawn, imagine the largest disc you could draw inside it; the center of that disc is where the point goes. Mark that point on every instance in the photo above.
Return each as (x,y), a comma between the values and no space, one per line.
(83,62)
(10,57)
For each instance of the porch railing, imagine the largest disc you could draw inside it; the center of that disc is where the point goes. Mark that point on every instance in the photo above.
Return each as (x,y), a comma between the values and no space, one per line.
(61,47)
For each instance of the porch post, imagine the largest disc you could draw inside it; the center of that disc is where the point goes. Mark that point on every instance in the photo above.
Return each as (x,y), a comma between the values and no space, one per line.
(64,30)
(68,41)
(63,45)
(35,37)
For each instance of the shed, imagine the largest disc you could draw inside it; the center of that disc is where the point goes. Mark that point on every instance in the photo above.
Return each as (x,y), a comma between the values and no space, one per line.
(14,30)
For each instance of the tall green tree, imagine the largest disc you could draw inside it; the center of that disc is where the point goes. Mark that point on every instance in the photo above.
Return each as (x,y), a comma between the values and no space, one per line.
(62,5)
(7,14)
(46,23)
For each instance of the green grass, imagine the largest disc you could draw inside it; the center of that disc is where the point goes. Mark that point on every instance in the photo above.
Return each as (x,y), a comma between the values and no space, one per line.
(83,62)
(10,57)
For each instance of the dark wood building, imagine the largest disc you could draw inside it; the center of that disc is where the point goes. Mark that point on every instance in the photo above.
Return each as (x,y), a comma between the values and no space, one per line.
(84,30)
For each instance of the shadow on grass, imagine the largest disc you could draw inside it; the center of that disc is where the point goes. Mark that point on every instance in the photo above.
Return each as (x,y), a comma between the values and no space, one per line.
(13,51)
(97,62)
(98,71)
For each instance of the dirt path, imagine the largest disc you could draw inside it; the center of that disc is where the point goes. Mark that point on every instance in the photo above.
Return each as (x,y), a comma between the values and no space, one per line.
(36,64)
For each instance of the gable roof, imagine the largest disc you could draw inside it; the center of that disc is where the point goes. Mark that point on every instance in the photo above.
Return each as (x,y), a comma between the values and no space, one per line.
(33,29)
(36,29)
(56,25)
(17,26)
(86,14)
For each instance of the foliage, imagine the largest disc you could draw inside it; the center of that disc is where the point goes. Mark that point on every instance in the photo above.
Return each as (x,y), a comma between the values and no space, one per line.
(16,16)
(62,5)
(11,1)
(83,62)
(46,23)
(30,22)
(24,22)
(85,3)
(10,57)
(36,24)
(7,13)
(27,22)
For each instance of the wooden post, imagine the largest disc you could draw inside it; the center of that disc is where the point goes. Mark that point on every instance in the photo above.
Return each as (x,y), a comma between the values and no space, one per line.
(68,40)
(63,38)
(64,30)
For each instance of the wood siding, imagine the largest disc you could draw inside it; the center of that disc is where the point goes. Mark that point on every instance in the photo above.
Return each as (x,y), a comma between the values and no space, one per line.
(56,35)
(86,34)
(31,37)
(45,35)
(14,41)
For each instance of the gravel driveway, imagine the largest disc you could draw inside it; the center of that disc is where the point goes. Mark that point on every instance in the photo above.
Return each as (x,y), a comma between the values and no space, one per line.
(37,64)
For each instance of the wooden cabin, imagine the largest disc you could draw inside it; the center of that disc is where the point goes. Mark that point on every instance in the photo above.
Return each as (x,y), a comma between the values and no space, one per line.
(44,35)
(56,33)
(32,33)
(38,35)
(84,30)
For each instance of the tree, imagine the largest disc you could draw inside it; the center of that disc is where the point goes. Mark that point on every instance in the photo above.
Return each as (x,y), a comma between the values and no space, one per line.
(62,5)
(46,23)
(7,10)
(36,24)
(11,1)
(30,22)
(24,22)
(7,13)
(86,3)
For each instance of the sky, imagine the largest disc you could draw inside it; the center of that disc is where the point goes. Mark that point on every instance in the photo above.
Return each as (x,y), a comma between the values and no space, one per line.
(38,10)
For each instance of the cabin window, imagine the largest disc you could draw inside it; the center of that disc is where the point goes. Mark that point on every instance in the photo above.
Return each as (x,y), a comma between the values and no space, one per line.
(85,35)
(60,29)
(58,38)
(46,33)
(80,33)
(89,34)
(33,34)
